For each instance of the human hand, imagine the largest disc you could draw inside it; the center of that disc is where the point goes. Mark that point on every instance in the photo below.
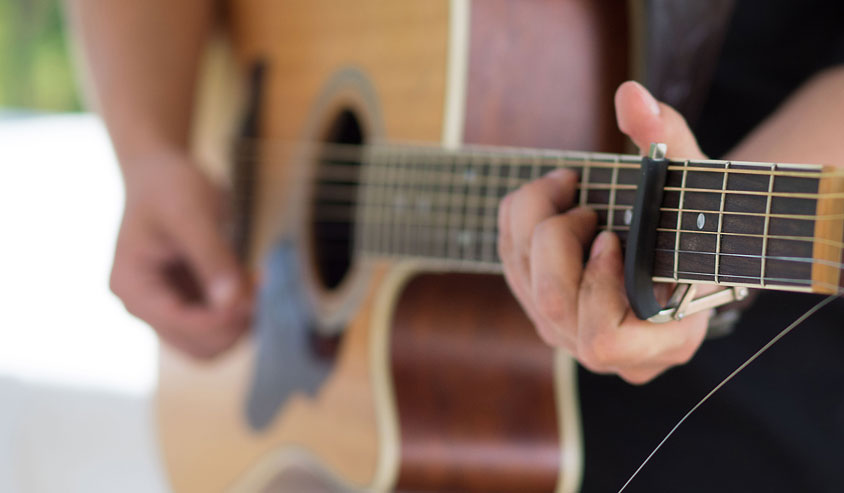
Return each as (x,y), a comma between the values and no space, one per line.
(172,266)
(584,308)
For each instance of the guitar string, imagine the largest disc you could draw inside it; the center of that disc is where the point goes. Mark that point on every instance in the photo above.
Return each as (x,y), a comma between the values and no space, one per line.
(729,377)
(349,192)
(351,179)
(493,180)
(523,157)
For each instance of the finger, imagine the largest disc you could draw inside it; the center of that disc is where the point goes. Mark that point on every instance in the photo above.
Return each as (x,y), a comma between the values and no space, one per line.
(530,205)
(213,260)
(556,261)
(646,121)
(517,282)
(138,280)
(611,338)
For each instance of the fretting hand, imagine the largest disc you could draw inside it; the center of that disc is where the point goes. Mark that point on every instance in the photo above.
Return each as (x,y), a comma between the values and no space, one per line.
(583,308)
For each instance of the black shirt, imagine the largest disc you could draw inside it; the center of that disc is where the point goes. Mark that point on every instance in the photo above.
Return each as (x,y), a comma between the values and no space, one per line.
(779,425)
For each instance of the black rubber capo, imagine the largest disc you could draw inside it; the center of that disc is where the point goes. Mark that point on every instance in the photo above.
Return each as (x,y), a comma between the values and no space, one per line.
(641,240)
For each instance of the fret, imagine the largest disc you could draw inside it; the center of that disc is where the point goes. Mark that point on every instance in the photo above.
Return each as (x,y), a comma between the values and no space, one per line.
(455,213)
(399,204)
(387,172)
(534,169)
(428,231)
(468,233)
(414,161)
(584,183)
(441,199)
(414,218)
(679,220)
(488,238)
(613,185)
(766,227)
(442,206)
(721,222)
(365,210)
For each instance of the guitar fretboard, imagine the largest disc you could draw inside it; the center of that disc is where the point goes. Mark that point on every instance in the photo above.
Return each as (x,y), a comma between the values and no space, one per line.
(734,223)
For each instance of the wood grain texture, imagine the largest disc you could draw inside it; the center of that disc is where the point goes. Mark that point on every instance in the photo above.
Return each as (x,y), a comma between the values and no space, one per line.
(401,47)
(542,73)
(207,445)
(474,388)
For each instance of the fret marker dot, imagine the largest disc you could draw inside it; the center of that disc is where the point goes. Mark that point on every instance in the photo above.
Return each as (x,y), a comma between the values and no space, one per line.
(464,238)
(628,217)
(701,220)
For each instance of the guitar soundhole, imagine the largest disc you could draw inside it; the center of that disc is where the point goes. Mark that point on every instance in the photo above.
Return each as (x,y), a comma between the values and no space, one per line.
(334,198)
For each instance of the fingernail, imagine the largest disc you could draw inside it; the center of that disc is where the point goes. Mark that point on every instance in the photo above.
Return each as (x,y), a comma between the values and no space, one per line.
(560,174)
(222,291)
(600,244)
(648,99)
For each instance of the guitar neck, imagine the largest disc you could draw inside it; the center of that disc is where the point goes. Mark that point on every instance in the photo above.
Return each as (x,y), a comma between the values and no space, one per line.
(765,225)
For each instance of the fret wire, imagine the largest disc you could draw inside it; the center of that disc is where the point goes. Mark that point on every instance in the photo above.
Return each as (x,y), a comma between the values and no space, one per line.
(721,222)
(454,218)
(469,223)
(399,203)
(426,238)
(436,237)
(396,203)
(488,253)
(408,245)
(441,218)
(371,195)
(534,163)
(363,236)
(388,171)
(611,213)
(679,223)
(415,164)
(584,182)
(767,222)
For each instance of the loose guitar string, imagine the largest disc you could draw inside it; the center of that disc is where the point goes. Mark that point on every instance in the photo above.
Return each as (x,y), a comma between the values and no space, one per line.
(729,377)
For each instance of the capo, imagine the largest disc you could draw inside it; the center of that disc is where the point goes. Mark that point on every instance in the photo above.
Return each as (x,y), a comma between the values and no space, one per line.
(640,253)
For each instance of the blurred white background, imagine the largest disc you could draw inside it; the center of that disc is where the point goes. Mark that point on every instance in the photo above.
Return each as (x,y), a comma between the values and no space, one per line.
(77,373)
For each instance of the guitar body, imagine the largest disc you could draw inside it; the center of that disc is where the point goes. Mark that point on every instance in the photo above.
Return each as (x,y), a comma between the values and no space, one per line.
(431,381)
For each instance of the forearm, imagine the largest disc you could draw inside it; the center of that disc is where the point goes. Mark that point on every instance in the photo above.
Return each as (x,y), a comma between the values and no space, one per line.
(142,59)
(808,128)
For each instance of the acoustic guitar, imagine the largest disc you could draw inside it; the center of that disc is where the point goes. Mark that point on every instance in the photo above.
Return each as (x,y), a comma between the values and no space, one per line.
(376,139)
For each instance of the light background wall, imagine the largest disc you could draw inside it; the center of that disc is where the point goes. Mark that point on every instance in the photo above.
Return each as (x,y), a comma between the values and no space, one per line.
(77,373)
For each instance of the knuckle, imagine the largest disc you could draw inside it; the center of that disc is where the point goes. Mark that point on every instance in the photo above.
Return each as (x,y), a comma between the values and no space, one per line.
(552,304)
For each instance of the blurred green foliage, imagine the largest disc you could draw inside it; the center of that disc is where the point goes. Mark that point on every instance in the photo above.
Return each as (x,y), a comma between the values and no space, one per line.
(36,71)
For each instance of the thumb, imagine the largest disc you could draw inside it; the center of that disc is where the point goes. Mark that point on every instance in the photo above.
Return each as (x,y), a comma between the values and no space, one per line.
(645,120)
(212,259)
